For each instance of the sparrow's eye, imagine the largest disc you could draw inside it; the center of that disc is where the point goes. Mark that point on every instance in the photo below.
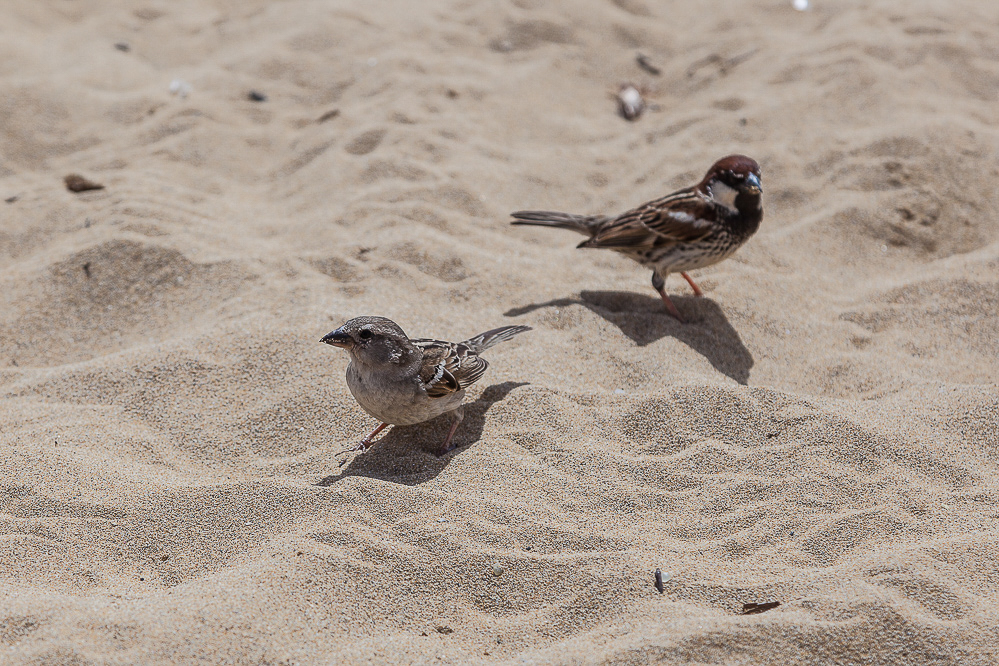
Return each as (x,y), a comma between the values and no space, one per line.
(365,334)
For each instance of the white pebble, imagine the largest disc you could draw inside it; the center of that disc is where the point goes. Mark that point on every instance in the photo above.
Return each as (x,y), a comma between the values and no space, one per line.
(180,88)
(497,569)
(800,5)
(619,391)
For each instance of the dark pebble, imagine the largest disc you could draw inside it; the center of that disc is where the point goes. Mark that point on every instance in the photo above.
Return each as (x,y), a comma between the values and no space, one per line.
(754,608)
(77,183)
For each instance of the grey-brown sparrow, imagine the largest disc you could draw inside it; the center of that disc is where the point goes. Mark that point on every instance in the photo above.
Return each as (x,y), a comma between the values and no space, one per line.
(400,381)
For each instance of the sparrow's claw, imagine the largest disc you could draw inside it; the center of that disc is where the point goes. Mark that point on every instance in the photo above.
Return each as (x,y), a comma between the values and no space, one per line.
(365,443)
(344,461)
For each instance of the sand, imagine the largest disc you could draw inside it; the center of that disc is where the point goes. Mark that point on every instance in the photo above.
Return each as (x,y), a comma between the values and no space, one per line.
(822,431)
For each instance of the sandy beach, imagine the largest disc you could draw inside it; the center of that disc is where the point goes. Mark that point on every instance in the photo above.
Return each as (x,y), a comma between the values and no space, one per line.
(821,432)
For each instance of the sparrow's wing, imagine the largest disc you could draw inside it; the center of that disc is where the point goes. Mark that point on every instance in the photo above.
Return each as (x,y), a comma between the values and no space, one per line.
(448,367)
(682,217)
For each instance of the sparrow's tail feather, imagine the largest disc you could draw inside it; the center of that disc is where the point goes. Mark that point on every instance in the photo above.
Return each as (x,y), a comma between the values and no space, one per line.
(584,224)
(484,341)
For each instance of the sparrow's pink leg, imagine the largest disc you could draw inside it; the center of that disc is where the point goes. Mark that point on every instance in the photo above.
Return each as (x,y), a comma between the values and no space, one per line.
(366,442)
(690,281)
(456,416)
(659,283)
(672,308)
(447,445)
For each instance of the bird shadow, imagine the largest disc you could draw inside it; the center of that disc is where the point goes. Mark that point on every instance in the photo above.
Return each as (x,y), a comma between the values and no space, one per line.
(408,454)
(645,320)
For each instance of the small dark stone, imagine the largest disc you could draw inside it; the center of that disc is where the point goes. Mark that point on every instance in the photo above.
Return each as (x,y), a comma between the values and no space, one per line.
(743,121)
(754,608)
(444,629)
(13,198)
(256,96)
(123,47)
(329,115)
(86,269)
(659,581)
(644,62)
(77,183)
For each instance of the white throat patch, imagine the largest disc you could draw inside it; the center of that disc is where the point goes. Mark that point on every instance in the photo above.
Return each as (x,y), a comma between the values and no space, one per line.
(723,194)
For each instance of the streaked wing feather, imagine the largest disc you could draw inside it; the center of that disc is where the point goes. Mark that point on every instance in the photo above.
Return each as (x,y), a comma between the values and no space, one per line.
(675,218)
(685,221)
(484,341)
(448,367)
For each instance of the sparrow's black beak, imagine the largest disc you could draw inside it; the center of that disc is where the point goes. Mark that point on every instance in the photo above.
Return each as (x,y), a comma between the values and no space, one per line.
(753,185)
(338,339)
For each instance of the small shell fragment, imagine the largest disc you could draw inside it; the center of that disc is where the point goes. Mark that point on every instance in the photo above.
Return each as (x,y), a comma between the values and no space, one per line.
(630,102)
(180,88)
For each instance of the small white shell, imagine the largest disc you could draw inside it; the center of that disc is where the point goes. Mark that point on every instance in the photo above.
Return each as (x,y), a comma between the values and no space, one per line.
(630,102)
(180,88)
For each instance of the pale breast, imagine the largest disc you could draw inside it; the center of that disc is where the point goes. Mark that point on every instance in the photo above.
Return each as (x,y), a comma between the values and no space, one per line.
(398,402)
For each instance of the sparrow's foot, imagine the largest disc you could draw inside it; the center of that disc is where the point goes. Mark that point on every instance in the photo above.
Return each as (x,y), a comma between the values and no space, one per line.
(354,449)
(672,308)
(447,446)
(365,443)
(693,285)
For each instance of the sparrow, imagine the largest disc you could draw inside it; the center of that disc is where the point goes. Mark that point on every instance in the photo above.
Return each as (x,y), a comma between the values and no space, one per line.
(400,381)
(691,228)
